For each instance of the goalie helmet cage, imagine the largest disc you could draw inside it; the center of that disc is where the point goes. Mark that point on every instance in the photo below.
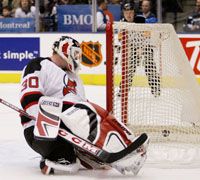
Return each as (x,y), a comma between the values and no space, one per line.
(151,88)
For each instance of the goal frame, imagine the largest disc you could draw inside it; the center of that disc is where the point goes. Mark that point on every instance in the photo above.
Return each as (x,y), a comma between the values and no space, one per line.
(165,143)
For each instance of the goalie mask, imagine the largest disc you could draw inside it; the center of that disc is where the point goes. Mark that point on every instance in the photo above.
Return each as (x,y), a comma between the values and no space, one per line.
(69,49)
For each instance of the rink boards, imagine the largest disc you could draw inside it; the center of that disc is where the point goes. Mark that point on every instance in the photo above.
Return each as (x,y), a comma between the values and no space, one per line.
(17,49)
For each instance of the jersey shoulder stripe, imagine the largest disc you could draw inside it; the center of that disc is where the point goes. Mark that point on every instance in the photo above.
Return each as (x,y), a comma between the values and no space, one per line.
(34,65)
(30,98)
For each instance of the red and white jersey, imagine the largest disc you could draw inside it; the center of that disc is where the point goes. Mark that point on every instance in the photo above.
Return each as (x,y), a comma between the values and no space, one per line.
(42,77)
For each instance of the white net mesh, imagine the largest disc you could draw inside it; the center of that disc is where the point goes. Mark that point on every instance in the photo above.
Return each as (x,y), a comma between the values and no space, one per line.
(155,90)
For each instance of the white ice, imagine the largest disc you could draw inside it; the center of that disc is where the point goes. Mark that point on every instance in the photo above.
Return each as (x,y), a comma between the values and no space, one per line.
(18,161)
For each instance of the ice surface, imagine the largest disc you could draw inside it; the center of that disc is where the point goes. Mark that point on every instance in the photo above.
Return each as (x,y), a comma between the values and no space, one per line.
(18,161)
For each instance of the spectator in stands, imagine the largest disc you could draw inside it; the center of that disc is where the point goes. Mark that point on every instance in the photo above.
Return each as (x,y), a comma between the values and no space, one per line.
(102,18)
(12,4)
(25,9)
(193,21)
(128,13)
(146,12)
(6,12)
(49,17)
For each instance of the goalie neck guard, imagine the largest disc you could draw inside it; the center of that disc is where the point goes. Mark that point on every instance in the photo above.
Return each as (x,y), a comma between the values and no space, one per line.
(69,49)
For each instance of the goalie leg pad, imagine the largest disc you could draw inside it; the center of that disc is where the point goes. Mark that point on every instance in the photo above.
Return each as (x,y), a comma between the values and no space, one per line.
(82,120)
(91,122)
(48,121)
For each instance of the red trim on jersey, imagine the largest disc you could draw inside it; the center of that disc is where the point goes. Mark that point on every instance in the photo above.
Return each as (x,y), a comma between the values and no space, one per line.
(30,93)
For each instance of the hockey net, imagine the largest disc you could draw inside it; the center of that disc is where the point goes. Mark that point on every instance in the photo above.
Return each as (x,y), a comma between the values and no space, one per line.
(151,88)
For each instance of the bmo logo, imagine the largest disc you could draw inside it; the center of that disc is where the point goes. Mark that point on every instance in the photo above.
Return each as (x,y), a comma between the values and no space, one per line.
(192,50)
(74,18)
(78,19)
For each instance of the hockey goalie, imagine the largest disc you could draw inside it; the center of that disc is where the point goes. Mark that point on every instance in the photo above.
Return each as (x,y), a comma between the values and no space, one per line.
(52,92)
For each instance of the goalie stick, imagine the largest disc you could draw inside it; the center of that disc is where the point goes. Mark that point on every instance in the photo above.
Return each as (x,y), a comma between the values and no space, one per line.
(100,154)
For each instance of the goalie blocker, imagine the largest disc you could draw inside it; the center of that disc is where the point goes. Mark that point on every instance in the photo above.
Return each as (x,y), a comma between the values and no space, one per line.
(100,129)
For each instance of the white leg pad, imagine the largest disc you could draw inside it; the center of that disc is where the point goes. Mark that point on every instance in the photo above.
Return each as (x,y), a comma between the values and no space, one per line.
(78,120)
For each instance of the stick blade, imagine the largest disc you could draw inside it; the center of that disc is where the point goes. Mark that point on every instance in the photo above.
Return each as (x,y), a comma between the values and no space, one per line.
(112,157)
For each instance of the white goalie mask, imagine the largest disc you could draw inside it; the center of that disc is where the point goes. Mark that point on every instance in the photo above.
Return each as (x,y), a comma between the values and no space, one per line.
(69,49)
